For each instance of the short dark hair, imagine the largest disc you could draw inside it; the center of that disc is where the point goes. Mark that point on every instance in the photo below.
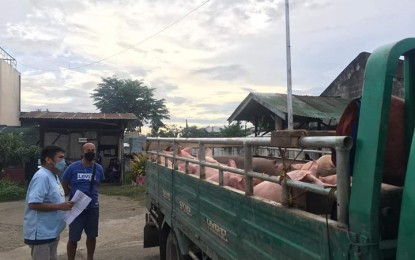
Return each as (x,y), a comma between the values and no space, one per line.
(50,151)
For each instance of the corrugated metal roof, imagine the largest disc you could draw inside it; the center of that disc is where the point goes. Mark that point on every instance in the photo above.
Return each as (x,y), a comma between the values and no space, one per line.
(76,116)
(303,106)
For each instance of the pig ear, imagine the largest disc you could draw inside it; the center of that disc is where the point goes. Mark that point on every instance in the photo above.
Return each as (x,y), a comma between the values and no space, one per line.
(187,149)
(297,166)
(232,163)
(276,162)
(208,152)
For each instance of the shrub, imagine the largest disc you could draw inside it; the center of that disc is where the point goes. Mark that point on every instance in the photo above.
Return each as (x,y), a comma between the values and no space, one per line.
(13,149)
(128,177)
(138,166)
(10,191)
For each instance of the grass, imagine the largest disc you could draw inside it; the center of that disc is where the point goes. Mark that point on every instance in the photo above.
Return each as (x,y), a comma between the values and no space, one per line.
(10,191)
(134,192)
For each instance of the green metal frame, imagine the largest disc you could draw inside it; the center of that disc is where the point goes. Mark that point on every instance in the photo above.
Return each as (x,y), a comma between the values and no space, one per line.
(370,149)
(227,224)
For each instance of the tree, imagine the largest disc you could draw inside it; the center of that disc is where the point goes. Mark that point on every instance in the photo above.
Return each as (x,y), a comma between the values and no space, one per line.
(167,131)
(13,149)
(115,95)
(233,130)
(193,131)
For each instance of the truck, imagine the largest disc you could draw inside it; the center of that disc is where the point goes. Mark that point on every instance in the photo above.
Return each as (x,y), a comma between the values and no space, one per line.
(190,217)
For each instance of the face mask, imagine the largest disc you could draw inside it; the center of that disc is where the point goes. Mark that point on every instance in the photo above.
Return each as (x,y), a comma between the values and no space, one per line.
(60,165)
(89,156)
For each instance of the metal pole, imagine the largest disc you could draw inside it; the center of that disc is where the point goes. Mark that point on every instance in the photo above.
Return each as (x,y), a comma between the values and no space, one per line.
(249,188)
(285,193)
(288,53)
(175,155)
(343,183)
(202,158)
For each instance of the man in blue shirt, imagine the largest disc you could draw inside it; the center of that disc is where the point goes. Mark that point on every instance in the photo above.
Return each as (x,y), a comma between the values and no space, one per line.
(45,203)
(84,175)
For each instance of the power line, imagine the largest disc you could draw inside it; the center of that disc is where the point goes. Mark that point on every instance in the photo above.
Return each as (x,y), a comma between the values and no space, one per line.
(124,50)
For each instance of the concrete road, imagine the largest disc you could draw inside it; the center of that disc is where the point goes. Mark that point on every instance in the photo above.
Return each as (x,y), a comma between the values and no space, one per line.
(120,232)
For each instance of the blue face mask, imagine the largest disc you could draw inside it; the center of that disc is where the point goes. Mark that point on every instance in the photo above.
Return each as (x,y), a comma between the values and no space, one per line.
(60,165)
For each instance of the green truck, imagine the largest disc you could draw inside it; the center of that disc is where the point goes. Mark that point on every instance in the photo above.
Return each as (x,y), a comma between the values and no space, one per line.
(192,218)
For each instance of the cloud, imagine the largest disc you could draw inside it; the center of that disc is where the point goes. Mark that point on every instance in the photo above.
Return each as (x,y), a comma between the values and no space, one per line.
(225,109)
(248,89)
(178,100)
(229,72)
(163,88)
(203,65)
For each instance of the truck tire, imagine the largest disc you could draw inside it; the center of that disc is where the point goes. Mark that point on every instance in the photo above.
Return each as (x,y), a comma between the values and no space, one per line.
(173,249)
(164,233)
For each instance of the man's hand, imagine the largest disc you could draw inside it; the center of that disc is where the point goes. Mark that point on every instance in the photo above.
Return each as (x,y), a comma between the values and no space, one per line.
(65,206)
(66,188)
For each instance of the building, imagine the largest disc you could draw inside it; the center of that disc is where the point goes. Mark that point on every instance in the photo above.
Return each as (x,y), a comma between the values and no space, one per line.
(71,130)
(268,111)
(10,90)
(68,130)
(349,83)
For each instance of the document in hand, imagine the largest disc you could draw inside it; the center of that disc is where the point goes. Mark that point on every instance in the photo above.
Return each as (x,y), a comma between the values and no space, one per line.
(81,202)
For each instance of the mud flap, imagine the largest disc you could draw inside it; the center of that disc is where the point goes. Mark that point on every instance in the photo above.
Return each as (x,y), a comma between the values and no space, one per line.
(151,233)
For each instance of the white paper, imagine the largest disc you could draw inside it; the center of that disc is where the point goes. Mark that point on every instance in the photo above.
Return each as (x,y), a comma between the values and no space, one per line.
(81,202)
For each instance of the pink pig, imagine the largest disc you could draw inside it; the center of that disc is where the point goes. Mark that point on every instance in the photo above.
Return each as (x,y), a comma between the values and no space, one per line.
(272,191)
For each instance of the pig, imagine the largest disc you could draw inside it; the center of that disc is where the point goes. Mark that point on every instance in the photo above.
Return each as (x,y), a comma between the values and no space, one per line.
(162,159)
(325,166)
(194,168)
(306,176)
(226,175)
(268,190)
(187,149)
(234,180)
(310,166)
(261,165)
(321,167)
(185,153)
(330,179)
(208,154)
(237,182)
(272,191)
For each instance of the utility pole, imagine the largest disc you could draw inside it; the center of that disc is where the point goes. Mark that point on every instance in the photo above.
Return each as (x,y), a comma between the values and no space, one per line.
(288,53)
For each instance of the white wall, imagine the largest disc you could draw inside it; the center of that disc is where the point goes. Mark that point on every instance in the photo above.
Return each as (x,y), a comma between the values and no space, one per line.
(9,95)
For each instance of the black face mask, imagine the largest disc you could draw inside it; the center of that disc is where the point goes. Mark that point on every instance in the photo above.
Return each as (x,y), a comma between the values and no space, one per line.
(89,156)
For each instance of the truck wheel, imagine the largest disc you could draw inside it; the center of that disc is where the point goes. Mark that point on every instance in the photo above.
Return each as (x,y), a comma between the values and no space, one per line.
(173,249)
(164,233)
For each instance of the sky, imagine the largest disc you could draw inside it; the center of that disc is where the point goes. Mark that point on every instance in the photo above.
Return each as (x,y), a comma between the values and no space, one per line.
(202,56)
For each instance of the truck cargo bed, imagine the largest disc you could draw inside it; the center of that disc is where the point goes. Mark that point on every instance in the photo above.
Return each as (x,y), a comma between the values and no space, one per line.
(230,225)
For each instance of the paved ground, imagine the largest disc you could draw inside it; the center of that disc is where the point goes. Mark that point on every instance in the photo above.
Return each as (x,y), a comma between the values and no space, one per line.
(120,232)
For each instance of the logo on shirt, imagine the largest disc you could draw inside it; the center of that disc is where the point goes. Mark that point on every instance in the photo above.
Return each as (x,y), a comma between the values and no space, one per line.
(84,176)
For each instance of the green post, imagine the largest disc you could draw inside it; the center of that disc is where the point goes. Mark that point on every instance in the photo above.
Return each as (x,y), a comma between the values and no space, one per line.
(371,139)
(406,234)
